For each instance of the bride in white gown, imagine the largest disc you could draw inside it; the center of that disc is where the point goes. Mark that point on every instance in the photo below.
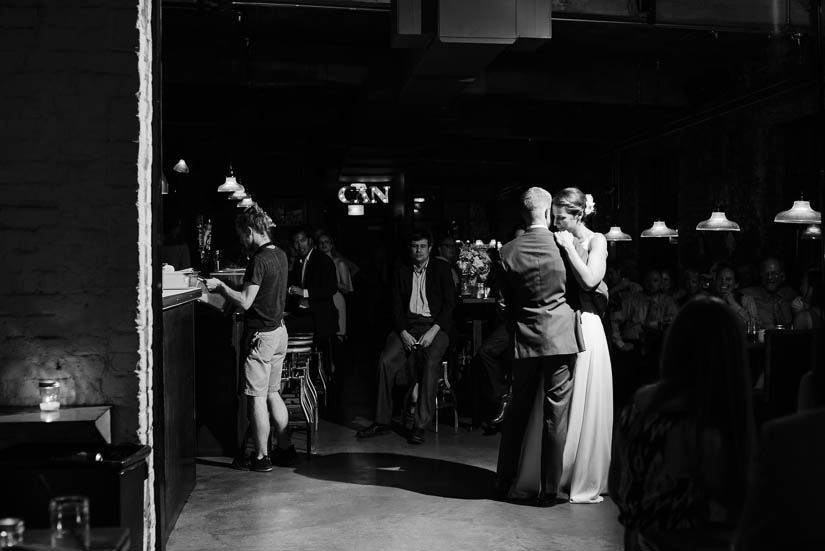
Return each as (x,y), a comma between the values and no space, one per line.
(586,457)
(590,426)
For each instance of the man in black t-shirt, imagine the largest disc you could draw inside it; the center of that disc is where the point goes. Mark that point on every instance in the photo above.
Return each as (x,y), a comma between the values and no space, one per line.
(264,339)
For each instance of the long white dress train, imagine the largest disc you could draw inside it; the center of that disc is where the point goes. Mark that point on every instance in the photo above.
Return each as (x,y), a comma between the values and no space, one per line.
(586,459)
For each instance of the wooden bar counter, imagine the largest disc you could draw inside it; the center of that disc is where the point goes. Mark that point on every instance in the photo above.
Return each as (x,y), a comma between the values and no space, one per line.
(174,410)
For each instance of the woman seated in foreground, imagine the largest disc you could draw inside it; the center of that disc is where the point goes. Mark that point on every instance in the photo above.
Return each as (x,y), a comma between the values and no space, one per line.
(684,445)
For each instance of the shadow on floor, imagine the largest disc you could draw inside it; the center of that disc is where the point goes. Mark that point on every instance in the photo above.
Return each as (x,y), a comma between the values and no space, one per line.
(423,475)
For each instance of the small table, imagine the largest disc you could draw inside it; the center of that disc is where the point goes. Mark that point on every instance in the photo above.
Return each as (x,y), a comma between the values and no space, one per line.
(478,320)
(67,424)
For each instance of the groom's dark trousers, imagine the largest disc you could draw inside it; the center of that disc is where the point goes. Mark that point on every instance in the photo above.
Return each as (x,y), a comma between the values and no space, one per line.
(557,374)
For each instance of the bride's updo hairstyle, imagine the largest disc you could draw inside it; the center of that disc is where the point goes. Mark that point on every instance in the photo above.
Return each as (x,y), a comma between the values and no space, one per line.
(575,202)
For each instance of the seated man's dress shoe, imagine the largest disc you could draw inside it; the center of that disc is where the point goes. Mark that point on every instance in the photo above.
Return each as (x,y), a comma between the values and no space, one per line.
(504,405)
(416,436)
(373,430)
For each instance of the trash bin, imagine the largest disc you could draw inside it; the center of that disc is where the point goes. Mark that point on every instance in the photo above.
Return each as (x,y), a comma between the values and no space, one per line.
(112,476)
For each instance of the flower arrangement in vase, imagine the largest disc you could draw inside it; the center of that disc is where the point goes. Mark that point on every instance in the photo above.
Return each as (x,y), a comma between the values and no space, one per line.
(474,264)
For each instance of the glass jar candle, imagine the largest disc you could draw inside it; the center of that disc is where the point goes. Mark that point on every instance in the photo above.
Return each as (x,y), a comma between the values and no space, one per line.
(11,531)
(49,394)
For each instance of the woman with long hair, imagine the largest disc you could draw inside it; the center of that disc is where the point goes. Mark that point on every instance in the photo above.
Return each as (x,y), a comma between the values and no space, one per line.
(684,446)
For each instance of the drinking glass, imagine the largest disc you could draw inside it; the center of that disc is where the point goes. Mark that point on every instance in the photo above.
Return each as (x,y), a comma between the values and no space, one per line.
(70,522)
(11,531)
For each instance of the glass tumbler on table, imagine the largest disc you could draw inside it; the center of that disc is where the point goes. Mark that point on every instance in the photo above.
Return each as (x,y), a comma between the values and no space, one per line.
(70,522)
(11,531)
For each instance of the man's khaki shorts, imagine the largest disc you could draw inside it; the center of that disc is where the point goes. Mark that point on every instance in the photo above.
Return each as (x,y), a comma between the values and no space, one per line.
(265,352)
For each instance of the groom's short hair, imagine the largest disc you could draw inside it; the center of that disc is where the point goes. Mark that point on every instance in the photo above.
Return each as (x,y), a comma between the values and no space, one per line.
(536,199)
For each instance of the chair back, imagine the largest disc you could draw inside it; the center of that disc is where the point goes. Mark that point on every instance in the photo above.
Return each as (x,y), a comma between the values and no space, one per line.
(788,355)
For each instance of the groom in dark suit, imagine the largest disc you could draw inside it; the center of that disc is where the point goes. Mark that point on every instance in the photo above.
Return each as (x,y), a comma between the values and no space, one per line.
(547,337)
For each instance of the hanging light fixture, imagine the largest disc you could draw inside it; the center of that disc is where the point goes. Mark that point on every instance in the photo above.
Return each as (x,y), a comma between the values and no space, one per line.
(164,184)
(238,195)
(717,222)
(660,229)
(616,234)
(230,184)
(181,167)
(245,203)
(814,231)
(800,213)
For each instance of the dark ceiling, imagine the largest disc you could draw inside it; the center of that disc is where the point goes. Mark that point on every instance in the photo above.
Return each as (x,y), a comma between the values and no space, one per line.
(319,83)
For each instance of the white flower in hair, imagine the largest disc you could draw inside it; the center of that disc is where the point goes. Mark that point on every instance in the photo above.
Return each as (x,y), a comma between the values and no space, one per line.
(589,204)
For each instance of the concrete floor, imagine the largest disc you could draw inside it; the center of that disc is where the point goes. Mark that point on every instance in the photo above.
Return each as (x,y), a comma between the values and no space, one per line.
(381,494)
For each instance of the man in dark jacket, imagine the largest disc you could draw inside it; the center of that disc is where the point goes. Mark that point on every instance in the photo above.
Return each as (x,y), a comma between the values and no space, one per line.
(423,298)
(314,281)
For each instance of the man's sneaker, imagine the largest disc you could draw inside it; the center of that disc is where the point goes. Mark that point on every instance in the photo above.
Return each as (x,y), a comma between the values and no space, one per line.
(284,457)
(262,465)
(241,463)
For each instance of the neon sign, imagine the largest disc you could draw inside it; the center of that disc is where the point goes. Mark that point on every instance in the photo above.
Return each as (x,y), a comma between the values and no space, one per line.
(360,194)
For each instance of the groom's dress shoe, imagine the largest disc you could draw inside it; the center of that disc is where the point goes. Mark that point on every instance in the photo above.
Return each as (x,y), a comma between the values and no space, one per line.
(549,500)
(504,405)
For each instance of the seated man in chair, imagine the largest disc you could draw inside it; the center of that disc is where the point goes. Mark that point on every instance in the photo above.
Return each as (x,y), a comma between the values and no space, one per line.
(423,299)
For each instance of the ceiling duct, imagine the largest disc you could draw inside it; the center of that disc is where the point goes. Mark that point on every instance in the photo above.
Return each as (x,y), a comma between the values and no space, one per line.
(453,41)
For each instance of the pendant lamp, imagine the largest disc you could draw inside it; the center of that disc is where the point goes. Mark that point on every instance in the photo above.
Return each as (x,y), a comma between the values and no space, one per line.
(245,203)
(181,167)
(660,229)
(800,213)
(238,195)
(717,222)
(230,184)
(616,234)
(814,231)
(164,184)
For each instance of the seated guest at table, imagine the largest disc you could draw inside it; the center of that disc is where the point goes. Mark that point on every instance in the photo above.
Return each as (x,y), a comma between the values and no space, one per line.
(423,298)
(683,447)
(448,252)
(691,287)
(783,509)
(807,307)
(725,287)
(313,283)
(773,298)
(667,283)
(493,360)
(638,328)
(618,284)
(327,246)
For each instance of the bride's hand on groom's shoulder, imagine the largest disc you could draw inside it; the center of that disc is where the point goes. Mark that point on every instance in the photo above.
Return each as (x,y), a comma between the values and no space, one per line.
(564,239)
